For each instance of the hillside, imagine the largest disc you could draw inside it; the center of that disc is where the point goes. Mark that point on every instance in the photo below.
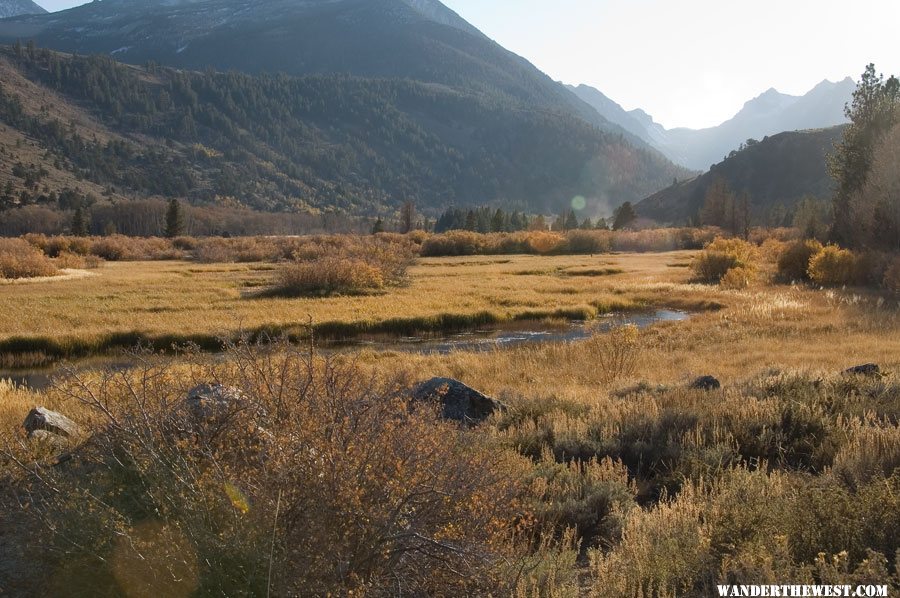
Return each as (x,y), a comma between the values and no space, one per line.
(415,39)
(275,142)
(769,113)
(779,170)
(15,8)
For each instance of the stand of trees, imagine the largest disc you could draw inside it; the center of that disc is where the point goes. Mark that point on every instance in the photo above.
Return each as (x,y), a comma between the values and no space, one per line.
(496,220)
(864,167)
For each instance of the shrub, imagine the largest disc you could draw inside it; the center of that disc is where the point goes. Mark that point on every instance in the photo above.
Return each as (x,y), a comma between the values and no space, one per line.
(19,259)
(591,497)
(345,266)
(793,263)
(319,481)
(616,352)
(112,249)
(738,278)
(328,275)
(833,266)
(722,255)
(67,260)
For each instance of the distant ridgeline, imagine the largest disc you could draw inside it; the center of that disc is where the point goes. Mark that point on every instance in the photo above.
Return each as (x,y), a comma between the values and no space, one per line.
(279,143)
(767,180)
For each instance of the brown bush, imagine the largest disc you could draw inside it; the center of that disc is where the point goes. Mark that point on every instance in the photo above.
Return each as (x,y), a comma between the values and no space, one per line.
(19,259)
(320,481)
(345,266)
(68,260)
(327,276)
(793,263)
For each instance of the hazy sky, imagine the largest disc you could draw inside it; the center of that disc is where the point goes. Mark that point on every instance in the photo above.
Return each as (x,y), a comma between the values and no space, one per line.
(688,62)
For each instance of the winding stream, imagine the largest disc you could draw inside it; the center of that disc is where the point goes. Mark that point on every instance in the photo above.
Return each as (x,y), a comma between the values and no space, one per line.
(514,334)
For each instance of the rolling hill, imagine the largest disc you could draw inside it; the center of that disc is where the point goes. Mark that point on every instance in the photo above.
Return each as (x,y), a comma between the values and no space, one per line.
(779,170)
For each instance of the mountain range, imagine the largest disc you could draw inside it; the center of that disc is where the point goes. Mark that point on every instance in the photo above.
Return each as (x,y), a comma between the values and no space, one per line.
(349,105)
(15,8)
(372,103)
(775,173)
(769,113)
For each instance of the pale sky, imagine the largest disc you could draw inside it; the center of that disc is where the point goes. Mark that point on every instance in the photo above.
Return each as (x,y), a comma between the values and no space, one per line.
(688,63)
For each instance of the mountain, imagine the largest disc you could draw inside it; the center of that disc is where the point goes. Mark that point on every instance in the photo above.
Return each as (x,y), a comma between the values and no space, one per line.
(776,172)
(414,39)
(15,8)
(770,113)
(313,143)
(385,100)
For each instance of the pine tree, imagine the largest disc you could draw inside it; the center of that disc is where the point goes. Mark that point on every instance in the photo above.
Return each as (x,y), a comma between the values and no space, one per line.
(79,225)
(874,111)
(571,221)
(498,221)
(174,220)
(624,216)
(378,227)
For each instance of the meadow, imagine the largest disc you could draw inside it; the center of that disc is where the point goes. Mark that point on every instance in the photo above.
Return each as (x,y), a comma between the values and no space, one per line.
(606,476)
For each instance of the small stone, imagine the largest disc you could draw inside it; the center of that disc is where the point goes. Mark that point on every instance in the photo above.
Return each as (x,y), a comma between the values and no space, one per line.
(868,369)
(706,383)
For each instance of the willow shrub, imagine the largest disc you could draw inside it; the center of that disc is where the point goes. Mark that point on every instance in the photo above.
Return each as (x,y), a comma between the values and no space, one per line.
(18,259)
(722,255)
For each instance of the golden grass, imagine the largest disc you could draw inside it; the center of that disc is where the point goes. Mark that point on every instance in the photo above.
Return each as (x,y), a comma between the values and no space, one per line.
(176,301)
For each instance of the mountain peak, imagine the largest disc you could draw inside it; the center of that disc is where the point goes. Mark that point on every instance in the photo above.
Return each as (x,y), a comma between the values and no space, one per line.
(15,8)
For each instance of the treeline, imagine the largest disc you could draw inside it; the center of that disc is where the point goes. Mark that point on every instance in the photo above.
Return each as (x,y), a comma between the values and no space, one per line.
(487,220)
(274,142)
(147,218)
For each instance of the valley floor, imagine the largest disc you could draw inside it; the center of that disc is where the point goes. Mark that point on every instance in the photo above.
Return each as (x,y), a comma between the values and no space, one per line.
(790,459)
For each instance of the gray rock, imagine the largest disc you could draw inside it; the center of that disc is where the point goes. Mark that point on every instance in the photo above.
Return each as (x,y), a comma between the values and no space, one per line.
(706,383)
(51,441)
(41,419)
(459,402)
(213,401)
(868,369)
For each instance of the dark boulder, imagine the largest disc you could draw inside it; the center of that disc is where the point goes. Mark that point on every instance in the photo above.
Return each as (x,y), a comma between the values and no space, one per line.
(49,422)
(706,383)
(868,369)
(458,402)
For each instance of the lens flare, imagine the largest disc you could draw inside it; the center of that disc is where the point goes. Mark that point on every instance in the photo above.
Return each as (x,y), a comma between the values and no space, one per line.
(578,203)
(237,498)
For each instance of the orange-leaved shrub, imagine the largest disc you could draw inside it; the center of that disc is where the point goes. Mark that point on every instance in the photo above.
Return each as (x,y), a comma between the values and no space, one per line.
(19,259)
(722,255)
(793,263)
(833,266)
